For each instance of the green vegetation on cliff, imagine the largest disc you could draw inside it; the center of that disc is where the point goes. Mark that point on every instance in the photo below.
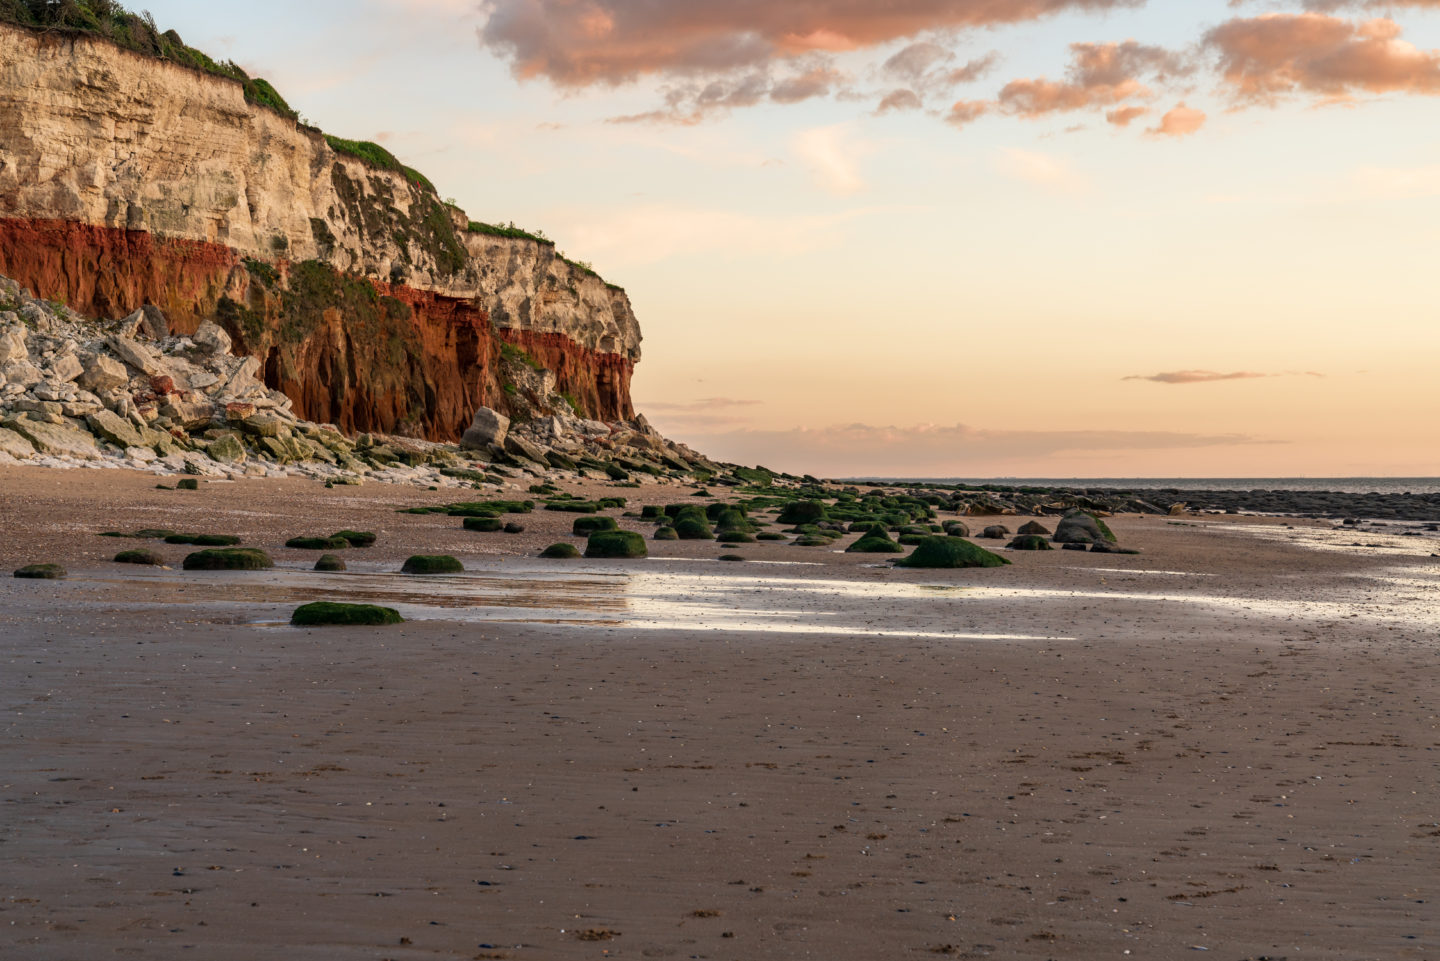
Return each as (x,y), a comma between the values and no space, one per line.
(136,32)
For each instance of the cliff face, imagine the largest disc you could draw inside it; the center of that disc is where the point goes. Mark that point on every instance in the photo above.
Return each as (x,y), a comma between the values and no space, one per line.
(126,180)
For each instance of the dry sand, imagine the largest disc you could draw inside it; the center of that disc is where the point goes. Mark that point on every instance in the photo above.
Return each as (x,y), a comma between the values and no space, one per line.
(1236,758)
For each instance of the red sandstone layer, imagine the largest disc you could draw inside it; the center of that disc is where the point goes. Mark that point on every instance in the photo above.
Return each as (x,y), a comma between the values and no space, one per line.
(445,367)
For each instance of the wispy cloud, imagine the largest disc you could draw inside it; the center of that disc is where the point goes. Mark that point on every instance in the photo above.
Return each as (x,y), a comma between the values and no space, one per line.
(1179,122)
(832,155)
(1195,376)
(706,403)
(1042,169)
(936,450)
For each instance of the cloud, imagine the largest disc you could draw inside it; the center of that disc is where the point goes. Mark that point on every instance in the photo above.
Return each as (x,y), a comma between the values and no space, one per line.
(832,154)
(1180,122)
(1196,376)
(1043,170)
(901,99)
(706,403)
(1100,75)
(1122,116)
(1267,58)
(962,113)
(577,43)
(933,450)
(642,234)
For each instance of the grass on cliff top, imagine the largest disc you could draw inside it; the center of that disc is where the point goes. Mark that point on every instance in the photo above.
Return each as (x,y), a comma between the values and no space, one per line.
(376,156)
(509,230)
(137,32)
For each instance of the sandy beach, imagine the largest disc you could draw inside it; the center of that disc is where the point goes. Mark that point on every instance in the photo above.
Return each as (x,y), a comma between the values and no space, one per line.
(1226,745)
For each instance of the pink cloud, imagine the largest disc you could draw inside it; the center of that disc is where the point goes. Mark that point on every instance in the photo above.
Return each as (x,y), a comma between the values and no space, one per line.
(1195,376)
(1180,122)
(1265,58)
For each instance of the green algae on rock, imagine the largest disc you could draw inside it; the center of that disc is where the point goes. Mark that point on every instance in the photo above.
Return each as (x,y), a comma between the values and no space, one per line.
(140,556)
(41,572)
(432,564)
(228,559)
(561,552)
(330,562)
(950,552)
(327,613)
(615,544)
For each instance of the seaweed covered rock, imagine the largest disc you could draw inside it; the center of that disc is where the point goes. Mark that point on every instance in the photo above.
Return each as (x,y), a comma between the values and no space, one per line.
(666,533)
(330,563)
(875,541)
(956,529)
(802,512)
(187,484)
(41,572)
(615,544)
(1030,542)
(203,540)
(317,543)
(357,538)
(1082,527)
(951,552)
(484,525)
(432,564)
(693,529)
(560,552)
(142,556)
(1033,527)
(327,613)
(995,532)
(735,537)
(228,559)
(585,526)
(514,528)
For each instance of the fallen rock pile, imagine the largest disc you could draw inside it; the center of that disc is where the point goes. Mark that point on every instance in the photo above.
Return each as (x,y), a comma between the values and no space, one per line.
(129,394)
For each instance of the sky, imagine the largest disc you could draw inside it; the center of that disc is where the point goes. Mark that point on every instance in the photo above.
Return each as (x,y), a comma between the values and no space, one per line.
(944,238)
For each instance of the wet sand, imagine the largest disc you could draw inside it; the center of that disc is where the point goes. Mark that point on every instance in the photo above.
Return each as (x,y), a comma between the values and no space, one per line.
(1226,745)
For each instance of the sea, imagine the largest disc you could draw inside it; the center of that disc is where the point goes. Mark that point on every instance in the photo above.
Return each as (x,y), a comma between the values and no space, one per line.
(1344,485)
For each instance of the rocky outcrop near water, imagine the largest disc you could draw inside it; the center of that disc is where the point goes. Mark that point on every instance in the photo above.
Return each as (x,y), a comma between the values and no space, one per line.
(131,393)
(359,294)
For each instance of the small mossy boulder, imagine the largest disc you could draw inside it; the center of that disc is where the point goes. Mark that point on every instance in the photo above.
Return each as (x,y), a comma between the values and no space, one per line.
(1082,527)
(357,538)
(187,484)
(561,552)
(432,564)
(229,559)
(328,613)
(735,537)
(771,536)
(995,532)
(810,540)
(693,529)
(140,556)
(330,562)
(1030,542)
(484,525)
(514,528)
(585,526)
(950,552)
(41,572)
(1033,527)
(203,540)
(615,544)
(317,543)
(801,512)
(666,533)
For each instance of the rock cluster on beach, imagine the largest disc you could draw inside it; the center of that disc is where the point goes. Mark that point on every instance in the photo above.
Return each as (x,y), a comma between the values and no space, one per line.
(126,393)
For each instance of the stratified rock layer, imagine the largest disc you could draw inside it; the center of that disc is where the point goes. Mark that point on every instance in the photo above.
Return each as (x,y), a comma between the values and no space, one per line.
(126,181)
